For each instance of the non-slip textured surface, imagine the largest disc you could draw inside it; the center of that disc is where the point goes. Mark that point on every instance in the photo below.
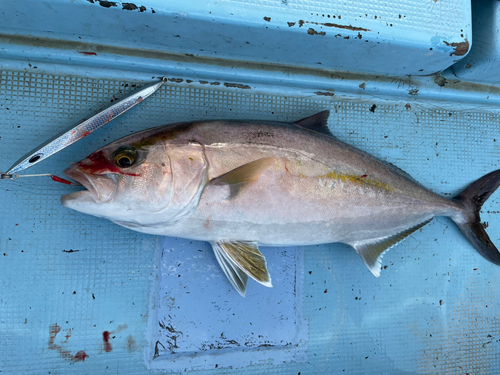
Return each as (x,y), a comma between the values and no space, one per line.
(226,330)
(72,285)
(396,37)
(422,15)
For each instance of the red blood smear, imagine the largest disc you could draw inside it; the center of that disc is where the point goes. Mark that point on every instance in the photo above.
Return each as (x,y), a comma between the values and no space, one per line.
(107,345)
(80,356)
(59,179)
(66,354)
(68,335)
(110,116)
(360,177)
(88,53)
(97,163)
(53,331)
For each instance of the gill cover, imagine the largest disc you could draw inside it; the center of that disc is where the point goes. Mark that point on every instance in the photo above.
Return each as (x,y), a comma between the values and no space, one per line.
(185,173)
(189,175)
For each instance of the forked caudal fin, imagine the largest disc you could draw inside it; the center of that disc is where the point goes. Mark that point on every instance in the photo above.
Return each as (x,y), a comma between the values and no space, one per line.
(472,199)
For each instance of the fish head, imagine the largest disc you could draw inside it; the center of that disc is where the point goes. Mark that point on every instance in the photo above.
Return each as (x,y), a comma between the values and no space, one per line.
(138,183)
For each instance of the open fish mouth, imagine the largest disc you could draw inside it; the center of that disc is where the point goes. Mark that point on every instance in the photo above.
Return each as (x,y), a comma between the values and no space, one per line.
(99,187)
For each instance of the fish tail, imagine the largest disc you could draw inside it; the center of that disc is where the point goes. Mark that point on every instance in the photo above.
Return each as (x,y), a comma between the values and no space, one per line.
(472,200)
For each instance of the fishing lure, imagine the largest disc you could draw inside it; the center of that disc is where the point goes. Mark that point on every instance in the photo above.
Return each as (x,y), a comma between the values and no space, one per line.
(74,134)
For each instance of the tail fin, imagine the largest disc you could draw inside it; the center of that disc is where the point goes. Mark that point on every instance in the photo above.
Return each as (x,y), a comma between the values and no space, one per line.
(472,199)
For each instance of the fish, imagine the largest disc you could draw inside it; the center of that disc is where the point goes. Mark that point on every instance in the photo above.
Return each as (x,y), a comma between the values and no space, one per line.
(244,184)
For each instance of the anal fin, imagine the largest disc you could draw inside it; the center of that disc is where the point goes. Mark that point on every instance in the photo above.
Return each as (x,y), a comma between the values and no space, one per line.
(373,249)
(239,259)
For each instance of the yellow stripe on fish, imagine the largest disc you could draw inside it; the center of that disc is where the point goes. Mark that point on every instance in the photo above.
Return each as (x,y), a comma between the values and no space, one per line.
(360,180)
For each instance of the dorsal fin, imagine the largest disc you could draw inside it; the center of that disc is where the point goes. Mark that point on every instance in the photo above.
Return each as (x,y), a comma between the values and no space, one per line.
(317,123)
(243,176)
(373,249)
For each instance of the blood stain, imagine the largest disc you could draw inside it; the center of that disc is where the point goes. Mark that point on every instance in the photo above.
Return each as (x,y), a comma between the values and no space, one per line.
(80,356)
(131,344)
(110,116)
(105,339)
(53,331)
(207,224)
(360,177)
(120,328)
(97,163)
(68,335)
(66,354)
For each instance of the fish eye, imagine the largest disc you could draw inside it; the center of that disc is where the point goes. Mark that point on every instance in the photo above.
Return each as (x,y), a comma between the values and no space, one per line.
(125,157)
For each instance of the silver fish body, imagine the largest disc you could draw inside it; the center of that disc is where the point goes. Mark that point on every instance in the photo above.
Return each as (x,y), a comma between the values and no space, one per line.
(243,184)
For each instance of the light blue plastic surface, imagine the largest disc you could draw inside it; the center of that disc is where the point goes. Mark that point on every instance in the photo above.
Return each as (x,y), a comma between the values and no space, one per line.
(269,325)
(483,63)
(433,310)
(417,37)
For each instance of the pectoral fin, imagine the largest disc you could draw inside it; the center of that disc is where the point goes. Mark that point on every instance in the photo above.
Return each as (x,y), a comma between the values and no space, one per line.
(372,250)
(243,176)
(239,259)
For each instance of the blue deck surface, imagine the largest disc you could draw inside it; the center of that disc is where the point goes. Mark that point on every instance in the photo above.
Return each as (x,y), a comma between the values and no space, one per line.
(80,295)
(433,310)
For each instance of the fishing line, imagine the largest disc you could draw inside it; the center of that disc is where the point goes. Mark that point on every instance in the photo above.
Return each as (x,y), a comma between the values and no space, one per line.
(36,186)
(15,176)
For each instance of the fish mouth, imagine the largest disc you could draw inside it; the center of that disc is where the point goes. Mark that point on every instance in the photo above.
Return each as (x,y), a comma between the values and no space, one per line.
(99,187)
